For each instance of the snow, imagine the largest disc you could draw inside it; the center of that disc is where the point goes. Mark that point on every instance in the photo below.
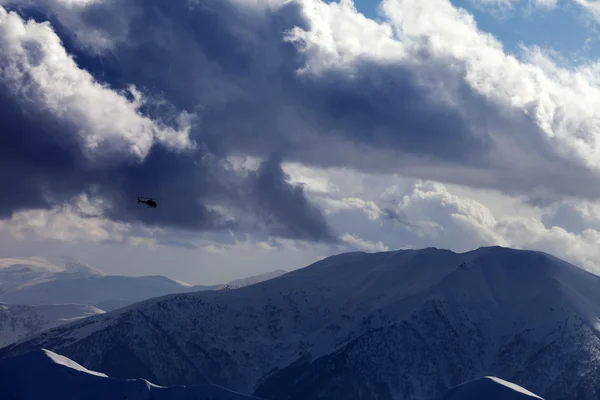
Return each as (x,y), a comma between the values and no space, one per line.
(44,374)
(489,388)
(460,316)
(65,362)
(45,281)
(19,322)
(239,283)
(18,273)
(94,290)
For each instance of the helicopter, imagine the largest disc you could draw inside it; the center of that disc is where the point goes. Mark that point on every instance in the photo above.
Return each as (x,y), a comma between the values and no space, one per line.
(149,201)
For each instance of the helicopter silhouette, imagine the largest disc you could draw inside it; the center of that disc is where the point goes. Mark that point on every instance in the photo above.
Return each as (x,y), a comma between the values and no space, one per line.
(149,201)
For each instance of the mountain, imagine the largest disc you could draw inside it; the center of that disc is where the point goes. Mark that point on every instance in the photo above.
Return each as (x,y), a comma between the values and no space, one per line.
(19,273)
(488,388)
(19,321)
(43,281)
(43,374)
(406,324)
(57,376)
(105,291)
(239,283)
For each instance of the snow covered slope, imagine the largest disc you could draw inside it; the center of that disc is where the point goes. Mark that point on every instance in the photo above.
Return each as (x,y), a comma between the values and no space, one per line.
(488,388)
(404,324)
(19,322)
(239,283)
(18,273)
(41,281)
(101,291)
(43,374)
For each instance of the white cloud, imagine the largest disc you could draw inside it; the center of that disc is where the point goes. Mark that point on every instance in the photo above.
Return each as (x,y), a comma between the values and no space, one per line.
(80,222)
(66,223)
(35,68)
(365,245)
(461,224)
(68,13)
(432,214)
(510,4)
(592,6)
(339,35)
(333,205)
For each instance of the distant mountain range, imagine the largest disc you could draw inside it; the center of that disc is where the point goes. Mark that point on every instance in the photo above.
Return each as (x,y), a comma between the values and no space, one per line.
(407,324)
(20,273)
(40,293)
(43,281)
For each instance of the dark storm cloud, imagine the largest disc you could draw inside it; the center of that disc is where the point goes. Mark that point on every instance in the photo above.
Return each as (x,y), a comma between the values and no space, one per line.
(34,159)
(285,206)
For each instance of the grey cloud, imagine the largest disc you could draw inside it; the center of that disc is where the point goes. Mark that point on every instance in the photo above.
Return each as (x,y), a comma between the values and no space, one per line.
(574,218)
(286,206)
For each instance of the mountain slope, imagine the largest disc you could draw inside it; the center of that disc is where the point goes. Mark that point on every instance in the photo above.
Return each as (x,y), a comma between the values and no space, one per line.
(395,325)
(489,388)
(97,290)
(18,321)
(38,281)
(251,280)
(19,273)
(44,374)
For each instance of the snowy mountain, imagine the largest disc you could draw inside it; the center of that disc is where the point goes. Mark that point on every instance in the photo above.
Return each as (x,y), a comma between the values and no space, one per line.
(406,324)
(488,388)
(41,281)
(239,283)
(43,374)
(106,292)
(19,321)
(19,273)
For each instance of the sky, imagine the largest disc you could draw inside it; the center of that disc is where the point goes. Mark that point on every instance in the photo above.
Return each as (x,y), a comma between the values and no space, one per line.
(275,133)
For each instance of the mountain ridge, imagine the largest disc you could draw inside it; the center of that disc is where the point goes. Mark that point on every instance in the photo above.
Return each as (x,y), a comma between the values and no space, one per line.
(487,311)
(18,322)
(45,281)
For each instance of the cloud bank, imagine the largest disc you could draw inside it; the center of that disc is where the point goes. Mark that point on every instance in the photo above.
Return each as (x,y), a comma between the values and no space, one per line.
(118,99)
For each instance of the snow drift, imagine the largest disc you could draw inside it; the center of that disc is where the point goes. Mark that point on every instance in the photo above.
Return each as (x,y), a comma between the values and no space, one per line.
(43,374)
(488,388)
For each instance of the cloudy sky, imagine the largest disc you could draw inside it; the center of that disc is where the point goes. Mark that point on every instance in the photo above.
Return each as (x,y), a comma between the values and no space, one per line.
(274,133)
